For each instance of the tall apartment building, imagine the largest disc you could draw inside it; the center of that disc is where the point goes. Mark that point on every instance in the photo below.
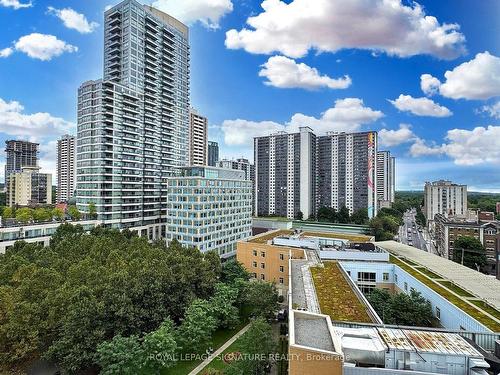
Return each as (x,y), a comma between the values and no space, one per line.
(213,153)
(29,187)
(347,171)
(66,168)
(239,164)
(385,178)
(133,125)
(19,154)
(198,142)
(285,174)
(446,198)
(209,208)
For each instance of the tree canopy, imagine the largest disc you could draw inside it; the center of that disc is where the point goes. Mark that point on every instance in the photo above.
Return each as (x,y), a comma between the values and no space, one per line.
(473,251)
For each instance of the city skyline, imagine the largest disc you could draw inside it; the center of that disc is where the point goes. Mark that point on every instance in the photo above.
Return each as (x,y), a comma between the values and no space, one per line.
(355,88)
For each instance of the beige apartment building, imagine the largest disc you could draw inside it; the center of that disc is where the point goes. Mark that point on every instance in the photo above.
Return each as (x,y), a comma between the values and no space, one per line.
(198,141)
(29,187)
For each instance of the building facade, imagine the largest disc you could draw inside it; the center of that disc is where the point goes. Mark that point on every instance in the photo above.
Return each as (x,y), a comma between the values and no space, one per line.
(133,125)
(447,230)
(19,154)
(29,187)
(446,198)
(241,165)
(198,142)
(347,171)
(213,153)
(285,174)
(66,168)
(385,178)
(209,208)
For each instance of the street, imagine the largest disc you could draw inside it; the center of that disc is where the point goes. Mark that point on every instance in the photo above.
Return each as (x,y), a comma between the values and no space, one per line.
(410,233)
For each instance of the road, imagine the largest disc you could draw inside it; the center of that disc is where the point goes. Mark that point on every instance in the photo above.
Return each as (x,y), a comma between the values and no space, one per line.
(409,233)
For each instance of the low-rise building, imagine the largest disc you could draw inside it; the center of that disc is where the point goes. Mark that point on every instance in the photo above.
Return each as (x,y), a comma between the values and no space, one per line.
(29,187)
(209,208)
(447,230)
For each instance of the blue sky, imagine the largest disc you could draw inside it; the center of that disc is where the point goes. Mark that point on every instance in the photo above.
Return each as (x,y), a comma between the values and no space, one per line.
(344,65)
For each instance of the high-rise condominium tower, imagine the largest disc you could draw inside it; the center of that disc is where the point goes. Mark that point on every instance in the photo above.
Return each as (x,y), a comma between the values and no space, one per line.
(213,153)
(198,132)
(446,198)
(385,178)
(133,125)
(285,170)
(66,167)
(20,154)
(347,168)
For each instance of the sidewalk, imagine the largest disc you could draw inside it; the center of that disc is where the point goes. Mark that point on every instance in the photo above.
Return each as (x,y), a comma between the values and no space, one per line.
(204,364)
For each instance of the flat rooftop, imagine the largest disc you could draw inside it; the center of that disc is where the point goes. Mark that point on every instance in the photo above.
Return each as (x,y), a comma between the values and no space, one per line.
(264,238)
(482,286)
(313,332)
(335,295)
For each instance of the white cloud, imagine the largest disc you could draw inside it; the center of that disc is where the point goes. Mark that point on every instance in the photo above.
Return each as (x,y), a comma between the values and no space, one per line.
(347,114)
(429,84)
(283,72)
(478,78)
(73,20)
(6,52)
(466,147)
(493,110)
(33,126)
(293,28)
(420,106)
(14,4)
(208,12)
(42,46)
(390,138)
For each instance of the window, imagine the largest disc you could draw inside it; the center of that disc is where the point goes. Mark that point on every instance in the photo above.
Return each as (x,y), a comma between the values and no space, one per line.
(255,264)
(254,275)
(406,286)
(367,277)
(366,289)
(395,278)
(255,253)
(263,254)
(438,313)
(385,276)
(262,277)
(282,269)
(262,265)
(282,281)
(282,256)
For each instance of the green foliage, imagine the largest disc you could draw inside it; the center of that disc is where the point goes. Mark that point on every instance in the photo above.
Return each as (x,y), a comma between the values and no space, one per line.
(62,301)
(384,227)
(262,299)
(8,213)
(121,355)
(359,217)
(92,211)
(24,215)
(256,345)
(401,308)
(299,215)
(58,214)
(42,214)
(159,348)
(474,253)
(330,215)
(485,202)
(223,305)
(233,270)
(74,213)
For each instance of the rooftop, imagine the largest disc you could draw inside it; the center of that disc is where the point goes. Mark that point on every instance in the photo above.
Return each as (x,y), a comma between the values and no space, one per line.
(335,295)
(312,331)
(264,238)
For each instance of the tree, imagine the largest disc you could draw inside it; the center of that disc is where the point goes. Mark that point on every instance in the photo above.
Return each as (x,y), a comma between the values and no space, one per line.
(58,213)
(299,215)
(401,308)
(262,299)
(8,213)
(256,345)
(42,214)
(92,211)
(359,217)
(471,250)
(24,215)
(222,304)
(384,227)
(159,348)
(327,214)
(121,355)
(233,270)
(343,215)
(74,213)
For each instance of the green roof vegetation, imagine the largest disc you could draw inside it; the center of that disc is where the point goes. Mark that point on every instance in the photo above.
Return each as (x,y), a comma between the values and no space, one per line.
(335,296)
(428,273)
(445,293)
(461,292)
(483,305)
(266,237)
(283,232)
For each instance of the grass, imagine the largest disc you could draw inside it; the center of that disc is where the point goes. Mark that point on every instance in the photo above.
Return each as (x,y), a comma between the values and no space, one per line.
(460,303)
(456,289)
(335,296)
(428,273)
(350,237)
(483,305)
(270,236)
(218,362)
